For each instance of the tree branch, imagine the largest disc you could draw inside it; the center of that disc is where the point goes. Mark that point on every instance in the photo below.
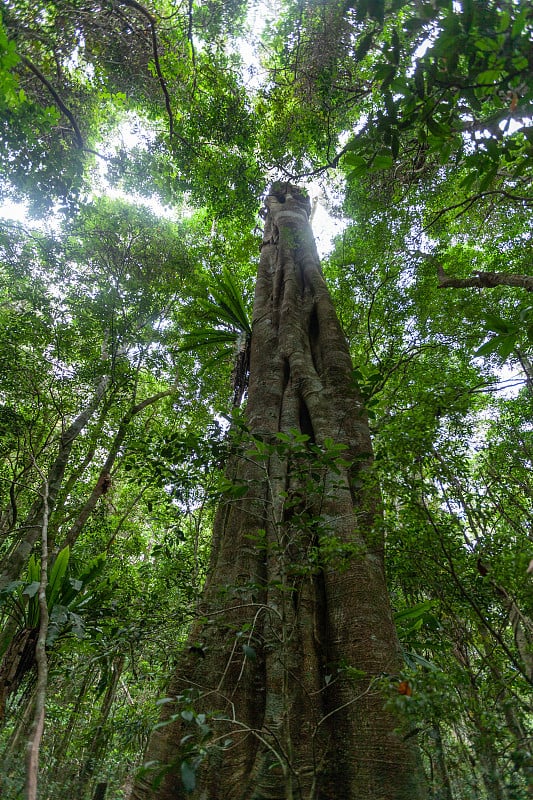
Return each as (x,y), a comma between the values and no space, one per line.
(59,102)
(151,21)
(484,280)
(33,524)
(104,480)
(190,38)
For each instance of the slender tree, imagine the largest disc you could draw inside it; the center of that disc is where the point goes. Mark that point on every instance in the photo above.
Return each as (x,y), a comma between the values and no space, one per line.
(296,633)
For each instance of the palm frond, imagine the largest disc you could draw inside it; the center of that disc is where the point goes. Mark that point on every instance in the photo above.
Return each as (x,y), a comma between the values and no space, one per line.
(228,304)
(208,337)
(227,309)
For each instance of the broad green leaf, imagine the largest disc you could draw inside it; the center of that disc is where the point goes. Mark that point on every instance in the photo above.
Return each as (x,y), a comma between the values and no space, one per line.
(32,589)
(34,569)
(413,659)
(489,347)
(507,345)
(489,76)
(188,776)
(57,574)
(249,652)
(382,162)
(415,611)
(497,324)
(526,313)
(354,160)
(503,344)
(364,46)
(437,129)
(10,588)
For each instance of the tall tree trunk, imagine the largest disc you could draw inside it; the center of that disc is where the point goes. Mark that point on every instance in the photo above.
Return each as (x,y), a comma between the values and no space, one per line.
(295,633)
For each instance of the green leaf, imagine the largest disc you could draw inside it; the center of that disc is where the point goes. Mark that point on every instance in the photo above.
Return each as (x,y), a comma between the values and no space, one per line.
(229,301)
(57,573)
(503,22)
(419,81)
(353,160)
(249,652)
(358,172)
(227,309)
(520,22)
(489,347)
(413,659)
(507,345)
(415,612)
(382,162)
(376,9)
(489,76)
(395,41)
(487,178)
(487,45)
(238,491)
(34,570)
(188,776)
(93,569)
(10,588)
(469,180)
(438,130)
(526,313)
(497,324)
(206,337)
(32,589)
(364,46)
(503,344)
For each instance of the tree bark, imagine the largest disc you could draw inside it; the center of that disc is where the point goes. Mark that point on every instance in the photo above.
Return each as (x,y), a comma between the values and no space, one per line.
(295,631)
